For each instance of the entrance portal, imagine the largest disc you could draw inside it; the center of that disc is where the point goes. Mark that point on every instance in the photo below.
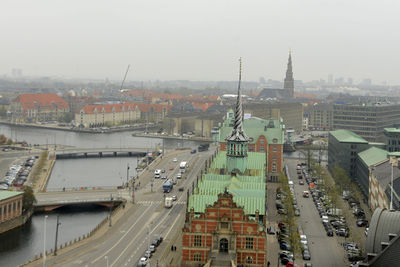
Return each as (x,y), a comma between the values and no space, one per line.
(223,245)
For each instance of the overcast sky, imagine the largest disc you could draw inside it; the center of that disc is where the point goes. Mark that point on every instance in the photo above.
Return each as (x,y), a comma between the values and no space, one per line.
(201,40)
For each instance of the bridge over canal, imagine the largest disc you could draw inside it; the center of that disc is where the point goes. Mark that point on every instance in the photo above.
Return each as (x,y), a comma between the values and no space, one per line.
(100,152)
(52,200)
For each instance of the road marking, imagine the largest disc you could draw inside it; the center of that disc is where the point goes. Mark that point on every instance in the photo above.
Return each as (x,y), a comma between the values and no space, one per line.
(172,225)
(116,243)
(133,239)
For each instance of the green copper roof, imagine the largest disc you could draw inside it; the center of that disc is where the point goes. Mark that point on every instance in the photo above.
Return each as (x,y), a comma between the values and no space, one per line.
(346,136)
(254,127)
(392,130)
(248,191)
(373,155)
(8,194)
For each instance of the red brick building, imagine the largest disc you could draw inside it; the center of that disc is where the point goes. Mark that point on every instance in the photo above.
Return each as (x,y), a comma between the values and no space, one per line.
(223,233)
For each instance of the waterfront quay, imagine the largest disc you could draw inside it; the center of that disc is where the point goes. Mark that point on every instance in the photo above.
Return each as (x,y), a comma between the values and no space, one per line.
(143,218)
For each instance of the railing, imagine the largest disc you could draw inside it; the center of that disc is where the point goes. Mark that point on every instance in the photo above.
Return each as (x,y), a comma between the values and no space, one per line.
(85,188)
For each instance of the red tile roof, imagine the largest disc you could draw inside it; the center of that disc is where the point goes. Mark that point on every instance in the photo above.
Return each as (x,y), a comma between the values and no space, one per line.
(147,94)
(32,101)
(203,106)
(90,109)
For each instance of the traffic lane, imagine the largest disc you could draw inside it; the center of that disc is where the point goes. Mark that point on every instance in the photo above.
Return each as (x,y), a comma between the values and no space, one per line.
(160,226)
(107,244)
(311,223)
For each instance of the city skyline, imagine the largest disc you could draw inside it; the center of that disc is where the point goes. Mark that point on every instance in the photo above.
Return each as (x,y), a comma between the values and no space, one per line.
(200,41)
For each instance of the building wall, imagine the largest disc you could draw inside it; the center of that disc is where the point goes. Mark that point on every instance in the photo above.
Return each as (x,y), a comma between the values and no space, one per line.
(291,113)
(376,197)
(10,208)
(392,141)
(102,118)
(20,115)
(321,116)
(344,155)
(203,235)
(366,121)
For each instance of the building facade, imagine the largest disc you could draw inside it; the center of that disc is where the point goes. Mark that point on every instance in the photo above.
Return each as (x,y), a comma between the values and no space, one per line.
(368,120)
(10,205)
(320,117)
(38,108)
(392,139)
(343,147)
(291,113)
(226,216)
(117,114)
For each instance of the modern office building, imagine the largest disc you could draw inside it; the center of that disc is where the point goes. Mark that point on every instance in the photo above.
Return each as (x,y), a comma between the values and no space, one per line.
(366,120)
(320,116)
(343,146)
(392,139)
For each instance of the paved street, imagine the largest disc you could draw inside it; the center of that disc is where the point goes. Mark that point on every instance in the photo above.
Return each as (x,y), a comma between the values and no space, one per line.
(325,251)
(126,241)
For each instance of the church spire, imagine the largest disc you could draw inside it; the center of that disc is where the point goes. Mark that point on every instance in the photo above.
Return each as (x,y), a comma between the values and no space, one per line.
(289,81)
(237,140)
(237,133)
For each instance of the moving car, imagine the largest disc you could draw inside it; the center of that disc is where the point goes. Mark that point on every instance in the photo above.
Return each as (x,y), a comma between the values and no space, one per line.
(174,160)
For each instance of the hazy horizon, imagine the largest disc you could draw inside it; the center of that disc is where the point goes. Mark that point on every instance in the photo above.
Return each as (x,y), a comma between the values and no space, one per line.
(201,40)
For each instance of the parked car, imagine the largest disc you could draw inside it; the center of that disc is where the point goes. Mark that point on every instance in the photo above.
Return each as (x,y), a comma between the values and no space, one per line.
(362,222)
(271,230)
(193,151)
(306,255)
(147,254)
(174,160)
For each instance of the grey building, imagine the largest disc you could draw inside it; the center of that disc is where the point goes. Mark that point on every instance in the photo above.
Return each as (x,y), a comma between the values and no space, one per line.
(320,116)
(392,139)
(343,147)
(365,162)
(366,120)
(288,84)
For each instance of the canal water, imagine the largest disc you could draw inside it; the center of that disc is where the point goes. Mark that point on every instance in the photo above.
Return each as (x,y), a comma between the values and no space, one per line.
(21,245)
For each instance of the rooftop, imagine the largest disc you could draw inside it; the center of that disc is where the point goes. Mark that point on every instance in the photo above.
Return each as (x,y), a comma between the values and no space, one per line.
(392,130)
(373,155)
(346,136)
(8,194)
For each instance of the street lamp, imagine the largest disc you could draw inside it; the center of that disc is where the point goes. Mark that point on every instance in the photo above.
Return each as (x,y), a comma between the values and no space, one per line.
(44,241)
(106,258)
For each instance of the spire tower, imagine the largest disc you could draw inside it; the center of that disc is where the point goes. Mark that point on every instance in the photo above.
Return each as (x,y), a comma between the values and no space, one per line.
(237,140)
(288,84)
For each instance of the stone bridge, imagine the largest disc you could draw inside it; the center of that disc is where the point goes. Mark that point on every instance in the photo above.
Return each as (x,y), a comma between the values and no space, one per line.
(100,152)
(52,200)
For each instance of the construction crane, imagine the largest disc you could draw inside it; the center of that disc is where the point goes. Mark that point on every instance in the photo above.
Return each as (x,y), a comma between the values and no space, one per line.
(123,81)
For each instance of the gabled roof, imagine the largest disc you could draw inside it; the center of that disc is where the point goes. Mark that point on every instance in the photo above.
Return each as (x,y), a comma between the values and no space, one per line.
(33,101)
(373,156)
(346,136)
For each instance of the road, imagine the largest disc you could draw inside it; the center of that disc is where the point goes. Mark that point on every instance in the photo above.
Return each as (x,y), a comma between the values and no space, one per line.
(325,251)
(127,240)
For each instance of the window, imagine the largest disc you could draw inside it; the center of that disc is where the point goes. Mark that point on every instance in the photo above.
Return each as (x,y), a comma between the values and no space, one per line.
(197,240)
(19,204)
(14,206)
(274,157)
(224,225)
(262,148)
(261,141)
(249,242)
(249,259)
(197,257)
(274,149)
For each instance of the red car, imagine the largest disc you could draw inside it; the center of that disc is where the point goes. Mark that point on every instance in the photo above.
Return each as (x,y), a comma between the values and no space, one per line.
(301,182)
(171,168)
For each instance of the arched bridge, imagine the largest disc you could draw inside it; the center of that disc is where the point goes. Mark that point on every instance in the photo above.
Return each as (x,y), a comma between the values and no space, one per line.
(100,152)
(53,200)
